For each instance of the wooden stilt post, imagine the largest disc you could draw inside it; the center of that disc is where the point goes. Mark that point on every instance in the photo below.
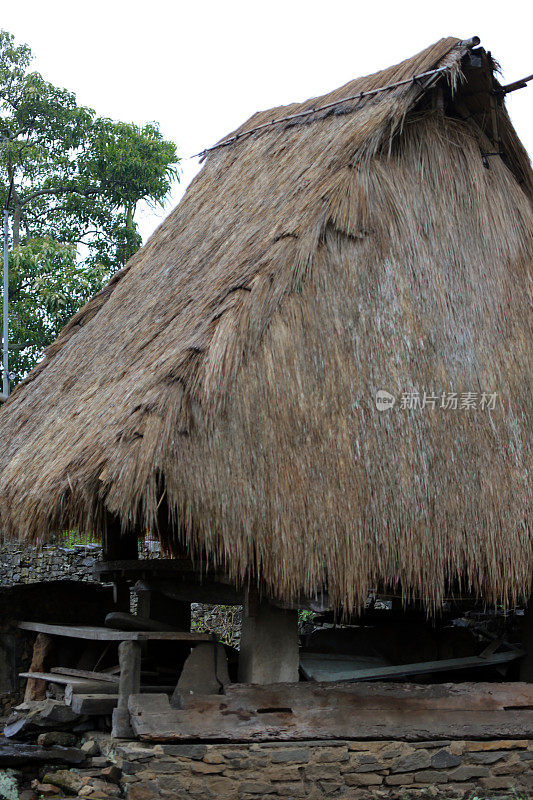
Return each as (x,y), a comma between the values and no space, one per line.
(129,654)
(269,644)
(36,689)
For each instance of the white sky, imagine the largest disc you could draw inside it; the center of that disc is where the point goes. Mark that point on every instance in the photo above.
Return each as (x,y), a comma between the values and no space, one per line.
(202,68)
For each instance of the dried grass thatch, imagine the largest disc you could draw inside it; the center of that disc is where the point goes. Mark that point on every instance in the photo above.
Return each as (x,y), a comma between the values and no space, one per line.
(232,366)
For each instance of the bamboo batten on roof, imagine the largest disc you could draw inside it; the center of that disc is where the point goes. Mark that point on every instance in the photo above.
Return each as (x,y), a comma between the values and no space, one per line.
(232,366)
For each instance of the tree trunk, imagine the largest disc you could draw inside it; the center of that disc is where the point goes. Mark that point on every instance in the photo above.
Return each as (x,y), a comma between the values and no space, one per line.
(15,201)
(130,231)
(17,208)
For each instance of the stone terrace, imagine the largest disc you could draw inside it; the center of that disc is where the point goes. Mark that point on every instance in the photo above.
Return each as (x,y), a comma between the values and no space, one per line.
(356,769)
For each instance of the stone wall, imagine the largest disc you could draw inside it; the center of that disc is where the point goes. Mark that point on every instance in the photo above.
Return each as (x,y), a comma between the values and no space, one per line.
(348,770)
(21,565)
(342,770)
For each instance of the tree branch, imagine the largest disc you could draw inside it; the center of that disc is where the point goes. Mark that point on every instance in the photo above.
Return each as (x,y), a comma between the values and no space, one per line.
(62,190)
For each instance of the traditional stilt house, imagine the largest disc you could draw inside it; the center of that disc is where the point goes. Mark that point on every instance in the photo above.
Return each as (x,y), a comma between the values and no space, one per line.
(314,381)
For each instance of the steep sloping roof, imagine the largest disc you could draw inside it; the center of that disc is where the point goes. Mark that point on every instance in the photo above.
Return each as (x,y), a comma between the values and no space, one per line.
(231,368)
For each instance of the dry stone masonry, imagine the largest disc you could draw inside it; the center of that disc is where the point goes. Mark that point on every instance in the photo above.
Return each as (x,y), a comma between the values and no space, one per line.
(354,770)
(344,770)
(21,565)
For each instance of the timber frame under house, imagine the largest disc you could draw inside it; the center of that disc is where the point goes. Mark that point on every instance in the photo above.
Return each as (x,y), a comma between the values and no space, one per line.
(313,386)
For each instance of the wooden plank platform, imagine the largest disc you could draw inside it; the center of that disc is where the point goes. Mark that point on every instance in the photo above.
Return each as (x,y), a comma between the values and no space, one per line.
(75,683)
(92,633)
(152,566)
(85,674)
(332,667)
(340,711)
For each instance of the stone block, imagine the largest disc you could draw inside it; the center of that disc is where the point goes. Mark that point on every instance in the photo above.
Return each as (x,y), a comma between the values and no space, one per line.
(145,775)
(298,755)
(53,738)
(127,779)
(194,751)
(235,754)
(98,761)
(330,787)
(315,772)
(443,759)
(375,766)
(395,750)
(431,776)
(283,772)
(165,766)
(467,772)
(223,787)
(45,789)
(111,774)
(91,748)
(509,768)
(257,788)
(286,790)
(212,757)
(180,785)
(201,768)
(495,782)
(66,780)
(136,752)
(331,754)
(488,757)
(431,744)
(457,748)
(400,779)
(363,779)
(499,744)
(419,759)
(256,761)
(462,790)
(55,712)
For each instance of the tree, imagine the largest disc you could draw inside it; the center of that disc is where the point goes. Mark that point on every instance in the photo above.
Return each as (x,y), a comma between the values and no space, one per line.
(76,180)
(47,285)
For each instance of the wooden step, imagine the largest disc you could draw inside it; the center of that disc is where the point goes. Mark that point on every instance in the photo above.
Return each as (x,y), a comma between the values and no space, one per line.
(94,704)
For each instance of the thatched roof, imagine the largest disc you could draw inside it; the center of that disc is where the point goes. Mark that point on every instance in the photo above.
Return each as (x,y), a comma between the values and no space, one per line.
(231,368)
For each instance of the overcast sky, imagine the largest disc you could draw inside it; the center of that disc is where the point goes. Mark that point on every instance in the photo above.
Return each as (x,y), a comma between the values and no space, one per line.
(201,68)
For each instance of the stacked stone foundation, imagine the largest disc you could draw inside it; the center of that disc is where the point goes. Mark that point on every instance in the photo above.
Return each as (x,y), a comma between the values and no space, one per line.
(359,770)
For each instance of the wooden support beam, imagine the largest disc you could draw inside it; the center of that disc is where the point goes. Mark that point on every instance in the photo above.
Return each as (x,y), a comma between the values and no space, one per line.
(269,643)
(95,704)
(325,666)
(85,673)
(129,654)
(339,711)
(95,633)
(78,685)
(124,621)
(36,687)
